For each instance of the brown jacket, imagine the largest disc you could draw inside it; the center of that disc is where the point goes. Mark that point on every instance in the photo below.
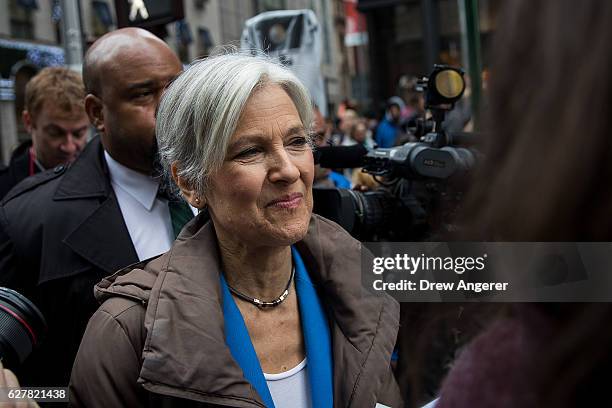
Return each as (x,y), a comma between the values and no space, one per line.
(158,339)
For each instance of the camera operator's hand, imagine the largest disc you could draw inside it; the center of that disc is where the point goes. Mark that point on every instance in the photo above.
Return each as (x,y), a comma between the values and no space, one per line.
(362,188)
(9,380)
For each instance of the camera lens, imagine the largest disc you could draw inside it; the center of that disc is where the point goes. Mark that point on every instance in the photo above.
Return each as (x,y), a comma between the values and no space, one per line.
(376,210)
(22,327)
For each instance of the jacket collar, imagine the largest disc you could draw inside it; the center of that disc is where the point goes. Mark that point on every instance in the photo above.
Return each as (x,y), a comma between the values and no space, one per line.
(19,164)
(20,150)
(184,315)
(101,237)
(87,177)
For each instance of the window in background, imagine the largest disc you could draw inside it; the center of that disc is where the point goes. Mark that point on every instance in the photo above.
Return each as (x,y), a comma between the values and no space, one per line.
(205,42)
(20,12)
(270,5)
(101,18)
(183,40)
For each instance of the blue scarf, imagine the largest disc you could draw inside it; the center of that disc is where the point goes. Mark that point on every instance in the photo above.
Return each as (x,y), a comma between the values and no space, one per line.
(315,329)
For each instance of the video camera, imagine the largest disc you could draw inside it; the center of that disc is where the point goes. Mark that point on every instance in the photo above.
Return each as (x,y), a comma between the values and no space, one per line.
(421,183)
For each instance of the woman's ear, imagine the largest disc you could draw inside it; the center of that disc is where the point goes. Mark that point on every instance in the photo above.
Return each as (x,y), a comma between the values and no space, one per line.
(188,192)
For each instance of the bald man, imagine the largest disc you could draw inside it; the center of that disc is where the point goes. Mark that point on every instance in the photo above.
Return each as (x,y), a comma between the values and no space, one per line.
(63,231)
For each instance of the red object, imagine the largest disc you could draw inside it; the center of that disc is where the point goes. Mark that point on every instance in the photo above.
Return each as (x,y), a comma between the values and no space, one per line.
(32,162)
(23,322)
(356,28)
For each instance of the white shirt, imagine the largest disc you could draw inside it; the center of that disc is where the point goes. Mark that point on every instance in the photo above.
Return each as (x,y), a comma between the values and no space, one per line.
(147,217)
(290,388)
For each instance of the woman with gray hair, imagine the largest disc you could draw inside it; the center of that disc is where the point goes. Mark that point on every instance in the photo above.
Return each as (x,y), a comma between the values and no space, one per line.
(263,305)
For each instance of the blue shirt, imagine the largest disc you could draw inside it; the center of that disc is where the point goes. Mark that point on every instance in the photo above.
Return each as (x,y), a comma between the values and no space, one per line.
(339,180)
(386,133)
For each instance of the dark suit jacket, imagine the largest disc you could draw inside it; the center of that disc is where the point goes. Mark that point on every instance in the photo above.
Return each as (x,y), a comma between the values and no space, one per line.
(18,168)
(61,231)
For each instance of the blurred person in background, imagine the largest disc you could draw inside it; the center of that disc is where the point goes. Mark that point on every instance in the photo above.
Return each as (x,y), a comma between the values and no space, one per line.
(345,124)
(55,118)
(345,105)
(415,100)
(371,122)
(389,128)
(359,134)
(261,306)
(545,177)
(63,231)
(324,177)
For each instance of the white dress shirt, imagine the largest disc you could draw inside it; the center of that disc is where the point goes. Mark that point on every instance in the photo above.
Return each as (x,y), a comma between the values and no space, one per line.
(147,217)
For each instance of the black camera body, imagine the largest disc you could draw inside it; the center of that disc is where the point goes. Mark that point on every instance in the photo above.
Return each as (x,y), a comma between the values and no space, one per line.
(421,183)
(419,160)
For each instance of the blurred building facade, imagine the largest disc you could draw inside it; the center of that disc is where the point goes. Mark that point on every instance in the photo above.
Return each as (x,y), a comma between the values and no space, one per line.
(330,14)
(30,39)
(407,37)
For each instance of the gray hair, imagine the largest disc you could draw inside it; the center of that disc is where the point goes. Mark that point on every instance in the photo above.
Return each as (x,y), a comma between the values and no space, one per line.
(200,110)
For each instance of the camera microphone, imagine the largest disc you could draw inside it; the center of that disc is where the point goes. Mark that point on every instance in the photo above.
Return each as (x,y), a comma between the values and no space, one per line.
(340,157)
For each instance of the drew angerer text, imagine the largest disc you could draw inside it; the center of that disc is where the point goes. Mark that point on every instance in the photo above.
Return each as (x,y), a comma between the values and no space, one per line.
(425,285)
(412,265)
